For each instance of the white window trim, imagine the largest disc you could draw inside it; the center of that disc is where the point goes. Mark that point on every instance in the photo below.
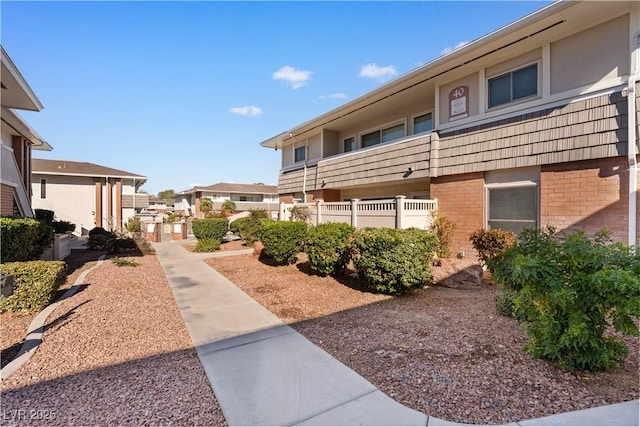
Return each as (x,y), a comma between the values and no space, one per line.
(422,113)
(504,185)
(306,154)
(530,98)
(402,121)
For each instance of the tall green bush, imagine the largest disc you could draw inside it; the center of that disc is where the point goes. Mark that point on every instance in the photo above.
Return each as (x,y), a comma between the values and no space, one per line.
(36,284)
(283,240)
(249,228)
(328,247)
(23,239)
(571,291)
(210,228)
(394,261)
(491,244)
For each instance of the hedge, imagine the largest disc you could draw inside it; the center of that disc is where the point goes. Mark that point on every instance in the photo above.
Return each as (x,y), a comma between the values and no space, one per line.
(210,228)
(23,239)
(394,261)
(283,240)
(36,283)
(328,247)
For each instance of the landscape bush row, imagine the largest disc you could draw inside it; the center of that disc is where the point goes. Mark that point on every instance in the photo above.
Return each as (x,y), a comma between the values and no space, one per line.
(35,282)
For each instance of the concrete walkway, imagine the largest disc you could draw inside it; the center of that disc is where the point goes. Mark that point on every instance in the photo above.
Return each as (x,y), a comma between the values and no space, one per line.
(264,373)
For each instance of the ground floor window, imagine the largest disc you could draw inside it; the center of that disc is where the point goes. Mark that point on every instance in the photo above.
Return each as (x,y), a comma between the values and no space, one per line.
(513,208)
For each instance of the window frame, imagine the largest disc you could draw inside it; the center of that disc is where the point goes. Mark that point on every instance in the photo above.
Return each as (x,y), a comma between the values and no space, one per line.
(507,186)
(380,129)
(295,154)
(355,144)
(415,116)
(510,73)
(43,188)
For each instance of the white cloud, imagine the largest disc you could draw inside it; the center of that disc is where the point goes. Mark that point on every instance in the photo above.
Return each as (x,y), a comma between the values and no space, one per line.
(451,49)
(249,110)
(292,76)
(374,71)
(333,96)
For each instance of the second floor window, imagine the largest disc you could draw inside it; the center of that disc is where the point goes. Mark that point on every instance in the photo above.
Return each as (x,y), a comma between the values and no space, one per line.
(43,188)
(513,86)
(423,123)
(300,154)
(383,135)
(349,144)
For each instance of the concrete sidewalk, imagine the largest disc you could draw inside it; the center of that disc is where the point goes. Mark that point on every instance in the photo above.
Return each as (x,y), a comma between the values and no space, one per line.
(264,373)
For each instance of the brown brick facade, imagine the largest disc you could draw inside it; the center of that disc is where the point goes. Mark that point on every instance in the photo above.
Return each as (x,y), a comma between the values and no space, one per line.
(588,195)
(6,199)
(461,199)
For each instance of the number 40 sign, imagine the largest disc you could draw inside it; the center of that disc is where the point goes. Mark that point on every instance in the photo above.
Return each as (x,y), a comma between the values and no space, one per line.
(459,103)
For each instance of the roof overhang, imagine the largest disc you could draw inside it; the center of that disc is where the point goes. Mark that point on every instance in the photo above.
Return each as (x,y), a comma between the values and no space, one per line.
(523,31)
(18,125)
(16,92)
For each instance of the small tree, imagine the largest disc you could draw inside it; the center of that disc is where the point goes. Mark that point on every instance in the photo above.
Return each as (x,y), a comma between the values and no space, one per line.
(443,228)
(228,208)
(206,206)
(300,213)
(166,194)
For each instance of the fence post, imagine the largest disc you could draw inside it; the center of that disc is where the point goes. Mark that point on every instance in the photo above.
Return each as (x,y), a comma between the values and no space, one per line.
(319,211)
(354,212)
(399,210)
(283,212)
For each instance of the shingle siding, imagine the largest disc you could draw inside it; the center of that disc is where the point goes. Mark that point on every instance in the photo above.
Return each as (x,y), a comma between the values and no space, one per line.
(587,129)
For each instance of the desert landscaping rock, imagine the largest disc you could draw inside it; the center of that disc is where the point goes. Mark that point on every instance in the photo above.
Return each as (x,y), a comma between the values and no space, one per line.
(117,352)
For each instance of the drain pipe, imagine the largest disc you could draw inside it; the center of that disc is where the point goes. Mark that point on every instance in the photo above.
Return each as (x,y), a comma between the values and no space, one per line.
(631,141)
(304,174)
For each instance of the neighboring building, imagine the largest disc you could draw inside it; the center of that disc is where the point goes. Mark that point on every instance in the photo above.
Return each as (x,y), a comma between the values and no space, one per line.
(18,141)
(87,194)
(160,206)
(245,196)
(526,126)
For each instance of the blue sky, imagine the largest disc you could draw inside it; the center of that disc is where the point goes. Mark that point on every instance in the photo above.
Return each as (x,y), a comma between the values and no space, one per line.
(184,92)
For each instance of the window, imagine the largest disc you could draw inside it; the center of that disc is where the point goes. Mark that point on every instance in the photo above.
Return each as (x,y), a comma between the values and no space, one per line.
(513,208)
(383,135)
(43,188)
(513,86)
(349,144)
(300,154)
(423,123)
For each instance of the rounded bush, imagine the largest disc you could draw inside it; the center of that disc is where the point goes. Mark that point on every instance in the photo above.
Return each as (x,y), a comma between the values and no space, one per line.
(23,239)
(210,228)
(283,240)
(394,261)
(36,283)
(207,245)
(328,247)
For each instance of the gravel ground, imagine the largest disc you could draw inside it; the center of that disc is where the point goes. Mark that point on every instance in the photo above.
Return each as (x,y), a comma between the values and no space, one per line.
(442,351)
(117,352)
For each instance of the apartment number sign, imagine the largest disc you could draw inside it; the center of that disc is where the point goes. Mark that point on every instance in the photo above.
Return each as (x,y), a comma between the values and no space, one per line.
(459,103)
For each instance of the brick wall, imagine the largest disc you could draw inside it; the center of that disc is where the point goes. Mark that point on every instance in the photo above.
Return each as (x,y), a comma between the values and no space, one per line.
(461,199)
(588,195)
(6,200)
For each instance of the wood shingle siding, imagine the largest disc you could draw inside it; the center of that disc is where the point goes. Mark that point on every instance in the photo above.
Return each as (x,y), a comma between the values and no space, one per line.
(587,129)
(380,164)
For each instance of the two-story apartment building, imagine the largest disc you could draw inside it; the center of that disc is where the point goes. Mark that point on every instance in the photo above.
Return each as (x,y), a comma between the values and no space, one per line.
(245,196)
(18,140)
(530,125)
(87,194)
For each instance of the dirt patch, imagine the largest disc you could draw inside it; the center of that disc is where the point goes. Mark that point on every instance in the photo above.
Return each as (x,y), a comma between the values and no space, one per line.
(442,351)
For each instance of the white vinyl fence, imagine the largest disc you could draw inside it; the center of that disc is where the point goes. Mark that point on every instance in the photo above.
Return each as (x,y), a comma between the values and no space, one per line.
(399,212)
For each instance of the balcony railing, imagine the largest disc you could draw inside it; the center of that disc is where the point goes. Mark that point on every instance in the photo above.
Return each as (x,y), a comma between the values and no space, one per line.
(392,213)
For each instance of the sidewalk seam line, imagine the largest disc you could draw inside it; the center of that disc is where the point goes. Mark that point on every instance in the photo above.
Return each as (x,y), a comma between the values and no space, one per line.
(334,407)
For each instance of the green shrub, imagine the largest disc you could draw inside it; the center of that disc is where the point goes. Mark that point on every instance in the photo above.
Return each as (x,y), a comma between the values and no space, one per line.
(36,283)
(207,245)
(44,215)
(328,247)
(394,261)
(210,228)
(63,226)
(237,224)
(491,244)
(571,291)
(443,228)
(23,239)
(249,228)
(133,224)
(282,240)
(124,262)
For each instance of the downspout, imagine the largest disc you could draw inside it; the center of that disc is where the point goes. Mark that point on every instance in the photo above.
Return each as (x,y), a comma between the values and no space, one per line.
(304,173)
(631,141)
